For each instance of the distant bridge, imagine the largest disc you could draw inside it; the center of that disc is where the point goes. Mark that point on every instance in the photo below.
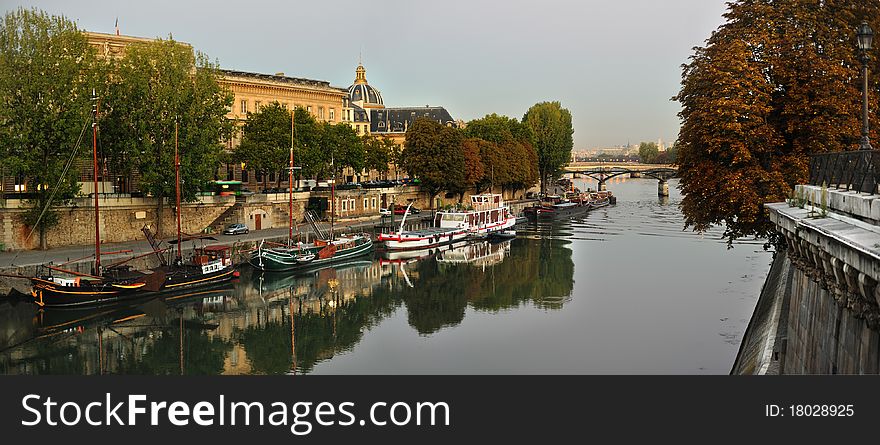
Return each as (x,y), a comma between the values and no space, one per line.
(602,171)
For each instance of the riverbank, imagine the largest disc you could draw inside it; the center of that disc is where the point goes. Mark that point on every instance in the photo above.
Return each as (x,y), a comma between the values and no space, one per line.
(79,258)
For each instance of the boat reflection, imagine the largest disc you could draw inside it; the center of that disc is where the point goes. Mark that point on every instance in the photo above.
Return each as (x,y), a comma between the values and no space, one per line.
(276,323)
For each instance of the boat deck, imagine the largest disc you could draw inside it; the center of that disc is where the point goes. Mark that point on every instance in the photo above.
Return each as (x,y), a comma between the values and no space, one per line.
(428,231)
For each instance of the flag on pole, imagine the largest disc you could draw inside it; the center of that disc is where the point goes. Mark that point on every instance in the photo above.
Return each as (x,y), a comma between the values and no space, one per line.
(117,26)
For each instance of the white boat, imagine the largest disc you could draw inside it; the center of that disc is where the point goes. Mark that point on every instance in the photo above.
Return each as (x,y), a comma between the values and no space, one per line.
(487,214)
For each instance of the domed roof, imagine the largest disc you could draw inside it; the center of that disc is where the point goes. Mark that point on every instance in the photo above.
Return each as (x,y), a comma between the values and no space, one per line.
(362,94)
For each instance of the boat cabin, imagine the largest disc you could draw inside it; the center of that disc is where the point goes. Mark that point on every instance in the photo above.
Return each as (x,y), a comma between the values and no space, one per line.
(214,255)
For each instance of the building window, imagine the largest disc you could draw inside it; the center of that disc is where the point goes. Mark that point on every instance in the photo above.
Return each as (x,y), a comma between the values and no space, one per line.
(244,176)
(230,173)
(20,185)
(284,105)
(309,108)
(258,176)
(344,206)
(272,177)
(332,114)
(257,106)
(320,112)
(365,204)
(244,106)
(358,129)
(351,204)
(373,202)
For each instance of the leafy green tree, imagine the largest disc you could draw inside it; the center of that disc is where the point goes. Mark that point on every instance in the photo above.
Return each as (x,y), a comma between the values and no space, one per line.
(265,142)
(648,152)
(433,153)
(307,142)
(377,154)
(155,86)
(552,134)
(498,129)
(672,153)
(394,152)
(341,147)
(778,81)
(47,72)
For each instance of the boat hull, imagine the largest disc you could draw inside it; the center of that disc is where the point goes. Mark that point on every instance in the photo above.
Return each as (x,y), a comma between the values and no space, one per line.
(414,240)
(47,294)
(268,260)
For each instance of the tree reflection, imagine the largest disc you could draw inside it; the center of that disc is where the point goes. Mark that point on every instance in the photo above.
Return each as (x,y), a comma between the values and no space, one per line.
(331,310)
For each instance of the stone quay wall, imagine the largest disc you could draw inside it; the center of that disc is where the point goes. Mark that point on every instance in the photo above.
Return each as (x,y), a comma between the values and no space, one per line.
(819,312)
(121,219)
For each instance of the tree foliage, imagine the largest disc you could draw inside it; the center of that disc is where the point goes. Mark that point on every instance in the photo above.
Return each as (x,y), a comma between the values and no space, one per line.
(265,142)
(341,148)
(307,143)
(506,152)
(377,153)
(47,72)
(155,85)
(777,81)
(648,152)
(433,153)
(552,133)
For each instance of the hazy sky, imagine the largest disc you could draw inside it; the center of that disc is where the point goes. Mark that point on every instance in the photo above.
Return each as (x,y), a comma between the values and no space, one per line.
(614,64)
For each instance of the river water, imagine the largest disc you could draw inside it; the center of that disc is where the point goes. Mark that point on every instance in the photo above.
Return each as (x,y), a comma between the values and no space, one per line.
(622,290)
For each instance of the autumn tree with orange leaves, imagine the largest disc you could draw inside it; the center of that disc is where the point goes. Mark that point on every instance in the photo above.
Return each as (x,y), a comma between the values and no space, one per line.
(778,81)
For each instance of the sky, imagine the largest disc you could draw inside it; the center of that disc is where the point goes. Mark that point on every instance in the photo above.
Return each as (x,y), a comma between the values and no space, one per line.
(614,64)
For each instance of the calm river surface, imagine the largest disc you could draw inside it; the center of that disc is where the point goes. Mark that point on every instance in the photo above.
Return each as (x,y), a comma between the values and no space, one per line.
(622,290)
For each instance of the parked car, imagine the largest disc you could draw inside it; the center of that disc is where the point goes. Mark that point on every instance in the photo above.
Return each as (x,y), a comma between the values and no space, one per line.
(384,212)
(401,209)
(348,186)
(235,229)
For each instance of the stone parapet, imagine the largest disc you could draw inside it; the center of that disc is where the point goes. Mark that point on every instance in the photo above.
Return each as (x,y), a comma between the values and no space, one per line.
(840,252)
(862,206)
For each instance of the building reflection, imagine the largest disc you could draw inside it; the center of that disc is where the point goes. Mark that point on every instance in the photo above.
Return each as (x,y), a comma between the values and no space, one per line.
(276,324)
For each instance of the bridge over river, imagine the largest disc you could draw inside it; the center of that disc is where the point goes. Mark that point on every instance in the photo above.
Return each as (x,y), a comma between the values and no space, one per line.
(603,171)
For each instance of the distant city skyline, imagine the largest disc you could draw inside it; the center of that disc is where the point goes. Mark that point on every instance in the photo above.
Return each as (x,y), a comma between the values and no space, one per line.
(614,65)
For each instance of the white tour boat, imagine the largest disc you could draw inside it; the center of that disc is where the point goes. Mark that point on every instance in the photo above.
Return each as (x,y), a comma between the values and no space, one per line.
(487,214)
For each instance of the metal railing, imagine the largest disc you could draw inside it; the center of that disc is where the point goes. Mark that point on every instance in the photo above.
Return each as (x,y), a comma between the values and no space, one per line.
(857,170)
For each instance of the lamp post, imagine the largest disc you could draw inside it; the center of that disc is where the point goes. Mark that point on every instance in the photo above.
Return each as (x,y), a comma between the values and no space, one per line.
(865,37)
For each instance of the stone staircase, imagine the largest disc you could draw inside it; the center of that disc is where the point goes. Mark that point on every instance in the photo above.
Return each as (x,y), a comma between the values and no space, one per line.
(227,217)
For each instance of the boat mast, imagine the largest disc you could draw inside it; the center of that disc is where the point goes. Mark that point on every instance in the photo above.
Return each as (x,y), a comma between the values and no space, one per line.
(95,177)
(290,183)
(177,183)
(332,196)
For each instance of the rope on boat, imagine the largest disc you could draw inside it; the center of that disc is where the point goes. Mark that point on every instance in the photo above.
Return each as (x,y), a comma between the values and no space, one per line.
(55,189)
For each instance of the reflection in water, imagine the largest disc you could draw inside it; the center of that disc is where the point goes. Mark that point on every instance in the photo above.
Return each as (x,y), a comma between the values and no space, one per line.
(283,323)
(622,289)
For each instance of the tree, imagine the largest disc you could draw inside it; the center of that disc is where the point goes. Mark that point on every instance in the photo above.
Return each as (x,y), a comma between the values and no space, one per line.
(265,142)
(498,129)
(377,154)
(433,153)
(155,86)
(672,153)
(777,81)
(474,172)
(552,133)
(648,152)
(307,142)
(47,72)
(508,155)
(341,147)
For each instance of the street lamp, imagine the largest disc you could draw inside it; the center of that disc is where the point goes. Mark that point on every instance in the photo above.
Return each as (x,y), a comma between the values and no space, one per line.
(865,37)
